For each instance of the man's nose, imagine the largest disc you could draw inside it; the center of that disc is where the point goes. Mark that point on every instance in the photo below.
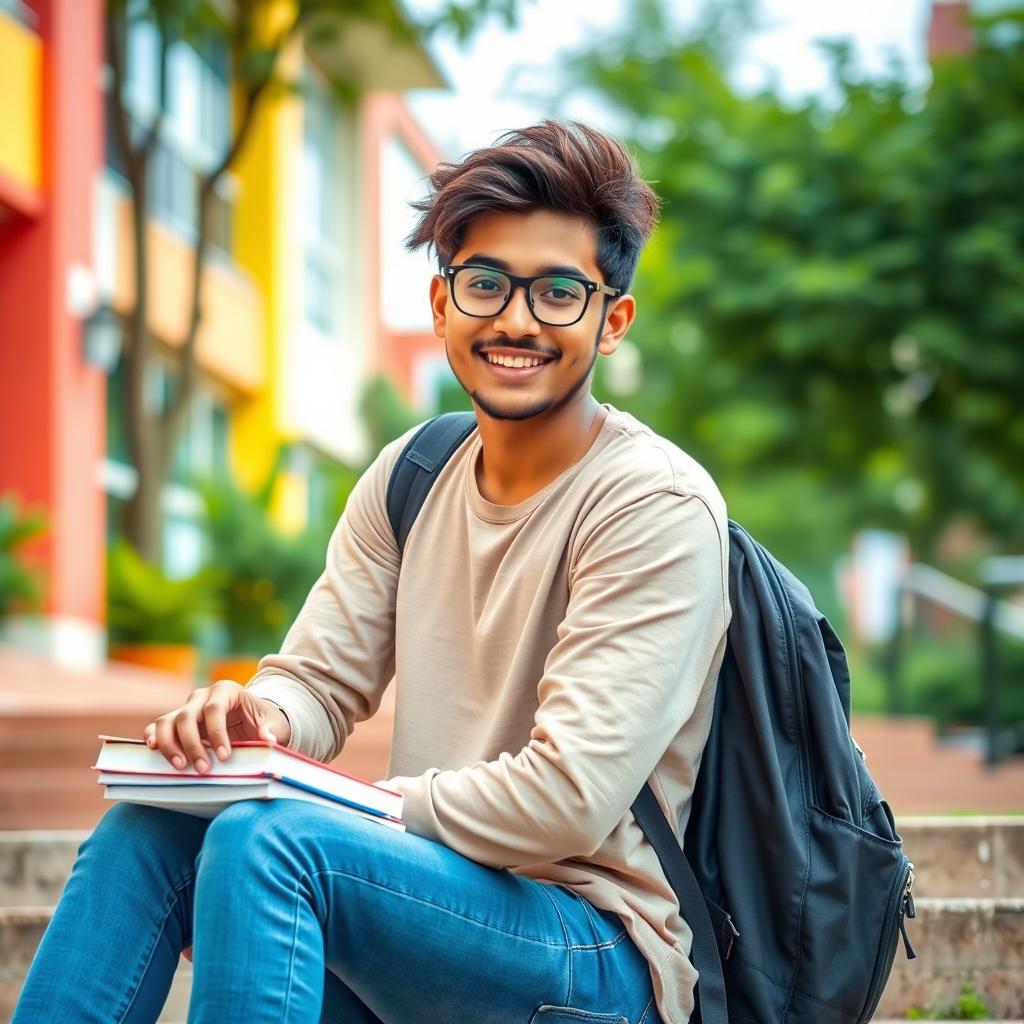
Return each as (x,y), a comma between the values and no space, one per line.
(516,318)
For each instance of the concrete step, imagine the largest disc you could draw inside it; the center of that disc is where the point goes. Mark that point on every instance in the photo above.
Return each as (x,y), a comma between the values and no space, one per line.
(953,857)
(960,941)
(957,941)
(21,930)
(34,865)
(976,857)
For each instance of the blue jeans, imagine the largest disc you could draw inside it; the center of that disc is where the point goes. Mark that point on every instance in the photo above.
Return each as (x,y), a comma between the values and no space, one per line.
(299,914)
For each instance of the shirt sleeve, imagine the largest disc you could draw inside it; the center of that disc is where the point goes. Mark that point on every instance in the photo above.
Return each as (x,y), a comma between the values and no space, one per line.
(339,654)
(645,621)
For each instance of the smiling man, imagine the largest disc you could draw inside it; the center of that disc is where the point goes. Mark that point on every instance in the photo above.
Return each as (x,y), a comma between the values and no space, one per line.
(555,624)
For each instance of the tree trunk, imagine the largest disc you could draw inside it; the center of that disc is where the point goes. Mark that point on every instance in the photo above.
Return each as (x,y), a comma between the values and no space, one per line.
(153,434)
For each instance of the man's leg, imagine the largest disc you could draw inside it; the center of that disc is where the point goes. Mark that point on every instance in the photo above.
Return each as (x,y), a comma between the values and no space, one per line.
(112,947)
(414,931)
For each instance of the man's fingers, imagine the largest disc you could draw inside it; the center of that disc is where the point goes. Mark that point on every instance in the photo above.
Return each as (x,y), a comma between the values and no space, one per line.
(186,722)
(225,697)
(177,732)
(166,739)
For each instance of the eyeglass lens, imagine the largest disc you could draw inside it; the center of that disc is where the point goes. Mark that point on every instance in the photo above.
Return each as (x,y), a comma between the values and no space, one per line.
(555,300)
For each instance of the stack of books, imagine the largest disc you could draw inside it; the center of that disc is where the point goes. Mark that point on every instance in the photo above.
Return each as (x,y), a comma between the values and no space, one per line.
(256,770)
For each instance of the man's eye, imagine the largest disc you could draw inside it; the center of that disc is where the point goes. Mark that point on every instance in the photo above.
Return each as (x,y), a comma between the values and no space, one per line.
(486,284)
(561,291)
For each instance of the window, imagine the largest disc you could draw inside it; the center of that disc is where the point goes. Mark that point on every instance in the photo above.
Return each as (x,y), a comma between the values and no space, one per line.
(202,449)
(319,209)
(405,276)
(195,132)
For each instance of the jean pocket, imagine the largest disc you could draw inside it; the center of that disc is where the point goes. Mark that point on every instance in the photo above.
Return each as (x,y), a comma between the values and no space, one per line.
(570,1015)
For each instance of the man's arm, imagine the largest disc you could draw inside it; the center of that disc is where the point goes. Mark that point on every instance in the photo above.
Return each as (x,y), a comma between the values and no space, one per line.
(645,623)
(338,656)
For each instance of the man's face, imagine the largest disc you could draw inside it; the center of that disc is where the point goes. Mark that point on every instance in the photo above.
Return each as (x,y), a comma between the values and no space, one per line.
(525,245)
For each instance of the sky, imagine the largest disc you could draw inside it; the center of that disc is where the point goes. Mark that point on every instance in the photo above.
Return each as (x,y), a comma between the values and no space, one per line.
(494,76)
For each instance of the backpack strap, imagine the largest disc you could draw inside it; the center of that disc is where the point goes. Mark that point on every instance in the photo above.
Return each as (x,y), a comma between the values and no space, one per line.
(705,951)
(419,466)
(421,462)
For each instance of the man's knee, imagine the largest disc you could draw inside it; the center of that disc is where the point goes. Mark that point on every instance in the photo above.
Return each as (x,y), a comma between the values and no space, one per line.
(251,828)
(130,834)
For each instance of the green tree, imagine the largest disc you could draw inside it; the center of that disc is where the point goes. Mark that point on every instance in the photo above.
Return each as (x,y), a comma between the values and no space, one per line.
(255,33)
(831,310)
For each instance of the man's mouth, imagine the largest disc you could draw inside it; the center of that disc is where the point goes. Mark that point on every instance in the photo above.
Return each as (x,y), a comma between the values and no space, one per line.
(520,366)
(527,359)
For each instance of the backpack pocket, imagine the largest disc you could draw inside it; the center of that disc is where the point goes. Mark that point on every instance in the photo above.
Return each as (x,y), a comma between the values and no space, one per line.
(851,919)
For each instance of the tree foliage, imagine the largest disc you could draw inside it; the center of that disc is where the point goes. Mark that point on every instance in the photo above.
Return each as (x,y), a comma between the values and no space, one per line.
(832,310)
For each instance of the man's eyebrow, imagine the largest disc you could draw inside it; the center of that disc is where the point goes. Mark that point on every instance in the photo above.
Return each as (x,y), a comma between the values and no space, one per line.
(493,261)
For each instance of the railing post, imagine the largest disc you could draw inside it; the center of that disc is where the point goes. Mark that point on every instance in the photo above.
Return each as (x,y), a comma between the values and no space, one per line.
(894,659)
(990,679)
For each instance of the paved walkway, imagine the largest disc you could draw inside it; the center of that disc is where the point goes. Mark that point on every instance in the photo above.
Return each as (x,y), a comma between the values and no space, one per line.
(919,775)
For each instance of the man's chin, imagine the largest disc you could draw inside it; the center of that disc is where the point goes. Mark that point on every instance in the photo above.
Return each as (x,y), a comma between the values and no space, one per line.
(510,411)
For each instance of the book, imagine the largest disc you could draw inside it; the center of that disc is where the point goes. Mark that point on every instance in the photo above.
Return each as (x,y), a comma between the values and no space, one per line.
(207,801)
(256,769)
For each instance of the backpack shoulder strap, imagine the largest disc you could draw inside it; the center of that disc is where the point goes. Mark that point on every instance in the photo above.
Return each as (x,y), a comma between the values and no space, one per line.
(707,936)
(421,462)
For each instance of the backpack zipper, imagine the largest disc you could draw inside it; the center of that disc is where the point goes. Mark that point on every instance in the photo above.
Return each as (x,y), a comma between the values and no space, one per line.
(904,907)
(908,910)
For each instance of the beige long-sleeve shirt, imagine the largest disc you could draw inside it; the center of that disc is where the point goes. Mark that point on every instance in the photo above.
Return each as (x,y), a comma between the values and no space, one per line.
(549,658)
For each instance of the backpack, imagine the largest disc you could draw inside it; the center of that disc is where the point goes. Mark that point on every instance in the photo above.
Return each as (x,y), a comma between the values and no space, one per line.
(793,880)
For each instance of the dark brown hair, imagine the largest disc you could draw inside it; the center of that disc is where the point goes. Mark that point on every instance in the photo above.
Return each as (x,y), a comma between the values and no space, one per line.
(563,166)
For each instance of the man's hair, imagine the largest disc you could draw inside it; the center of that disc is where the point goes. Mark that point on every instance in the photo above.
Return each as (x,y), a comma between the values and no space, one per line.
(563,166)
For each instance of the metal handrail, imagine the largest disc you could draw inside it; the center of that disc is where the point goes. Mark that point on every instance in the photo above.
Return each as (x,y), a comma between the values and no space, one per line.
(969,602)
(982,606)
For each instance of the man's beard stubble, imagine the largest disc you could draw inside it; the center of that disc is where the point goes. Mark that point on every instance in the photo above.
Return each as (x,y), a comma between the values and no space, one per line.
(550,405)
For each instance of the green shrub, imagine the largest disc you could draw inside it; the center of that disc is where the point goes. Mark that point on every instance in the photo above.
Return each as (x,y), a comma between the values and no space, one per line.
(19,586)
(968,1006)
(145,606)
(264,575)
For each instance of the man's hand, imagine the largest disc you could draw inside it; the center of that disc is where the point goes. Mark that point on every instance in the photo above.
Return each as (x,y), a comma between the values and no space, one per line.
(219,714)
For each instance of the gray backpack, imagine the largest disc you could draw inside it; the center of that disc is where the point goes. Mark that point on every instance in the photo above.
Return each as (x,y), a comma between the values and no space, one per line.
(793,881)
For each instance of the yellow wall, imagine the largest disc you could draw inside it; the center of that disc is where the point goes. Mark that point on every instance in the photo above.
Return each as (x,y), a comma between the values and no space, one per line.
(268,247)
(20,102)
(267,172)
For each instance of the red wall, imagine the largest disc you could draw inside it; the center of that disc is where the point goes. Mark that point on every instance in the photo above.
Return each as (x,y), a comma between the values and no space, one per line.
(52,405)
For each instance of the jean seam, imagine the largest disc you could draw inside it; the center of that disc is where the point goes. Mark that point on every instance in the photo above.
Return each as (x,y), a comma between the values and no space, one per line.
(647,1010)
(611,943)
(295,946)
(565,933)
(589,910)
(437,906)
(147,959)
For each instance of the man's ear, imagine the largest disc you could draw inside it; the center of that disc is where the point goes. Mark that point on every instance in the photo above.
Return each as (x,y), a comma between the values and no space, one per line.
(616,324)
(439,303)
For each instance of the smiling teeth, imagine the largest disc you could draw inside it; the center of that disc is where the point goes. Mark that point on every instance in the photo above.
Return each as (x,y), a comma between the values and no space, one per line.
(514,361)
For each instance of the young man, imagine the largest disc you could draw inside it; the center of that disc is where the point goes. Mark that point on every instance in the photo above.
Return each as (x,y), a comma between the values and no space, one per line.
(555,625)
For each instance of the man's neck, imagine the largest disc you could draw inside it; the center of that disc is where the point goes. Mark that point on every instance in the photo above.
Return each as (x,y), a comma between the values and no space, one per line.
(520,457)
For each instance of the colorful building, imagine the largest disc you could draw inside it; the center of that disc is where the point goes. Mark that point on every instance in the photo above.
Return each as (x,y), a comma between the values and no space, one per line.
(307,292)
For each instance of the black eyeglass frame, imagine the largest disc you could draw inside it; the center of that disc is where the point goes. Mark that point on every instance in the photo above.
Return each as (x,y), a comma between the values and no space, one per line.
(526,283)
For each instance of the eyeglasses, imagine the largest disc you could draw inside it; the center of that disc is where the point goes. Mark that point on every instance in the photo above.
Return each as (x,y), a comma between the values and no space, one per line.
(557,300)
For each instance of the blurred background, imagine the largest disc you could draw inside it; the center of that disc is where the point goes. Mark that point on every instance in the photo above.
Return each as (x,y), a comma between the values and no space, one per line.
(209,326)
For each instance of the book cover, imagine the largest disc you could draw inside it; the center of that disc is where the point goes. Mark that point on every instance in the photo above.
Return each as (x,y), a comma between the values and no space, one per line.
(132,757)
